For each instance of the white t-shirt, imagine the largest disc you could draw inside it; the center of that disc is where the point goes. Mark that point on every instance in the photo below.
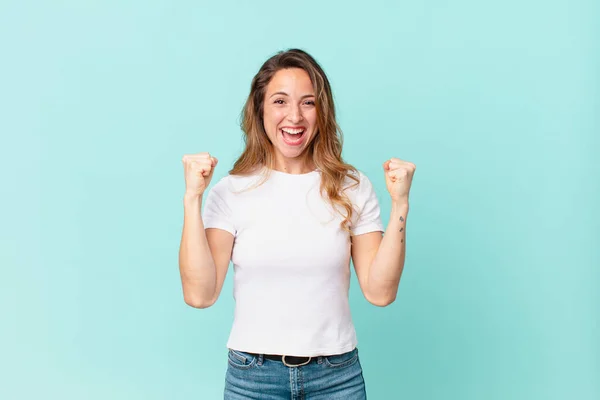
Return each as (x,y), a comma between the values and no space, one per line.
(291,261)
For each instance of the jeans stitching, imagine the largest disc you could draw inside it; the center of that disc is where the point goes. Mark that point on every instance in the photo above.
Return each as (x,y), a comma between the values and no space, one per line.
(291,370)
(300,384)
(239,357)
(342,364)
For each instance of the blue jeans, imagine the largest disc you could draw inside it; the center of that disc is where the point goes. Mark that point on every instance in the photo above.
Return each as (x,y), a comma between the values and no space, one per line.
(324,378)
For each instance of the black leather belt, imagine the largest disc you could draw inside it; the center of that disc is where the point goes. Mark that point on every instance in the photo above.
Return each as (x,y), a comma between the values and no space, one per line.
(290,361)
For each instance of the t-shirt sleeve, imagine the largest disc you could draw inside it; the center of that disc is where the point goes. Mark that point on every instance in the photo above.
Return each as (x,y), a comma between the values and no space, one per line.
(217,213)
(369,214)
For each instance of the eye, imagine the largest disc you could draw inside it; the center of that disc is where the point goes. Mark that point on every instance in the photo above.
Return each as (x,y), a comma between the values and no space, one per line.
(310,102)
(278,101)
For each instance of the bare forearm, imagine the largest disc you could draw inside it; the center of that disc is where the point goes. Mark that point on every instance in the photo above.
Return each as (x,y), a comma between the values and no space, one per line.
(387,266)
(196,264)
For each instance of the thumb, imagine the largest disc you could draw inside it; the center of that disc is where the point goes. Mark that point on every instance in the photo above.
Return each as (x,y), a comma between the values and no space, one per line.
(215,161)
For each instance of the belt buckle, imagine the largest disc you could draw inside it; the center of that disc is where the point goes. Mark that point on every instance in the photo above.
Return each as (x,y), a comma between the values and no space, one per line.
(294,365)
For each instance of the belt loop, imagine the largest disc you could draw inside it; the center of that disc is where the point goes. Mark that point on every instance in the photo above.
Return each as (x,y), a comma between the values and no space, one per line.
(260,359)
(320,360)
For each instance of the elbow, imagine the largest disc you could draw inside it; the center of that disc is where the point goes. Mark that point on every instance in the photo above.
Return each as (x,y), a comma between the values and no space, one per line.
(197,296)
(197,302)
(381,301)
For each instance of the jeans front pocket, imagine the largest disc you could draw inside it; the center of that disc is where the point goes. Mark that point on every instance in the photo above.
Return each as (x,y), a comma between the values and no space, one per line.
(342,360)
(240,359)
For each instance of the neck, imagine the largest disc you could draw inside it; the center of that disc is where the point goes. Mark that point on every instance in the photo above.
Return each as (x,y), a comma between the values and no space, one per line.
(298,167)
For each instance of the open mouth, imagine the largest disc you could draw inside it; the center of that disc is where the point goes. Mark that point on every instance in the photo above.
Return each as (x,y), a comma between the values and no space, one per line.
(291,136)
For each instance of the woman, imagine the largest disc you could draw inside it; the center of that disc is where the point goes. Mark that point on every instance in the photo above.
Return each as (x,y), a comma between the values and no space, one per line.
(289,215)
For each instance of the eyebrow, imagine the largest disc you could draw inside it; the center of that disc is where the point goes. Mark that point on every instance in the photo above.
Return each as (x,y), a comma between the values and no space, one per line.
(285,94)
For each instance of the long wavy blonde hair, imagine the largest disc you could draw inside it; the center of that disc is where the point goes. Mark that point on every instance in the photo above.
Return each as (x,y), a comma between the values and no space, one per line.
(325,149)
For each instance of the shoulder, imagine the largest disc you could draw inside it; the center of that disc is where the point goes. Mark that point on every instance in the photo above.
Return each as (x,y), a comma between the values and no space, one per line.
(357,182)
(230,185)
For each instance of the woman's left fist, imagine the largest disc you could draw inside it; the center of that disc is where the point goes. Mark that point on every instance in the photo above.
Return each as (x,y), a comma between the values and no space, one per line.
(398,178)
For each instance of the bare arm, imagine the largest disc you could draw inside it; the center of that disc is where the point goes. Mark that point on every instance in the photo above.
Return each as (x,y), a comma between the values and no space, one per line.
(379,261)
(204,256)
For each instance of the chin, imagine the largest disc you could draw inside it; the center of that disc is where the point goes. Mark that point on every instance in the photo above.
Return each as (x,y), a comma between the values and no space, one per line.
(291,154)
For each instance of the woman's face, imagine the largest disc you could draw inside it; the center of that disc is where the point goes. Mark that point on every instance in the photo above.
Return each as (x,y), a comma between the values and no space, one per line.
(290,115)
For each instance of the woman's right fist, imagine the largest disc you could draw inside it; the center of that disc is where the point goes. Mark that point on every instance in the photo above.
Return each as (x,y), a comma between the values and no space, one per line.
(199,169)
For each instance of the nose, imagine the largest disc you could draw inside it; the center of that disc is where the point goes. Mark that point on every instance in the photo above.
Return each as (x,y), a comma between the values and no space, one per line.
(295,114)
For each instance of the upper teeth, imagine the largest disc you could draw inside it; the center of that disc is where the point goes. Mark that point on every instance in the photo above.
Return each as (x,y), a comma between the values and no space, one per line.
(293,131)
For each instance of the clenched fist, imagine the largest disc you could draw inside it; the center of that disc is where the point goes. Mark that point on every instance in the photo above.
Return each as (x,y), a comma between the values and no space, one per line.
(198,169)
(398,178)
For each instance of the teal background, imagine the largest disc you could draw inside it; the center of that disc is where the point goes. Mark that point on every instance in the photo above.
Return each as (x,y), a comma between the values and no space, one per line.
(497,103)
